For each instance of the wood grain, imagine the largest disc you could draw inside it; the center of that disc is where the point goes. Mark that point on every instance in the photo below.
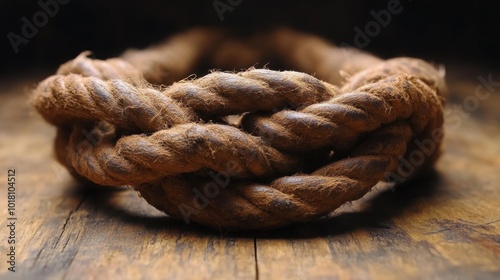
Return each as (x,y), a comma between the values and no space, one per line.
(445,226)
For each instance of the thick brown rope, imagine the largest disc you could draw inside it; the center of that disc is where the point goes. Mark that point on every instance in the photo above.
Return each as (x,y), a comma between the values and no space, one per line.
(254,149)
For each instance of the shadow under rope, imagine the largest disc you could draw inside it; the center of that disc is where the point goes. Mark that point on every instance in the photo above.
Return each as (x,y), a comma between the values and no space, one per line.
(375,211)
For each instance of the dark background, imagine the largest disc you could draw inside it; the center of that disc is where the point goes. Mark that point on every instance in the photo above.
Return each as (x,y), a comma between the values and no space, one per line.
(440,31)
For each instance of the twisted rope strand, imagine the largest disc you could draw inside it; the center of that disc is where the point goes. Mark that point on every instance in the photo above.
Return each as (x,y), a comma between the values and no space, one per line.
(185,148)
(74,98)
(339,122)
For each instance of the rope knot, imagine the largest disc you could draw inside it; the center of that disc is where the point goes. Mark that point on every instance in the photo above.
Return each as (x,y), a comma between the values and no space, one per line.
(253,149)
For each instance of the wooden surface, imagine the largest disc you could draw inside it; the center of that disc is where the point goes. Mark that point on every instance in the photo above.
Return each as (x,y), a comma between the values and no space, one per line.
(446,226)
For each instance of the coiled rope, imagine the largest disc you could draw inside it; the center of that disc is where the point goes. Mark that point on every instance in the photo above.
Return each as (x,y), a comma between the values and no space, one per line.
(247,150)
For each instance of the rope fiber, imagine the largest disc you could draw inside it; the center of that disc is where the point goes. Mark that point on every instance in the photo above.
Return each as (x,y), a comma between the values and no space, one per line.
(245,150)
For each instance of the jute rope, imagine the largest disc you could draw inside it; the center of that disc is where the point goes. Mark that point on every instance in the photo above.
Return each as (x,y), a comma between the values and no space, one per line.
(248,150)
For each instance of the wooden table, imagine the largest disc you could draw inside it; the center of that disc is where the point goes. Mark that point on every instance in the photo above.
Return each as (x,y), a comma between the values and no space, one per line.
(446,226)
